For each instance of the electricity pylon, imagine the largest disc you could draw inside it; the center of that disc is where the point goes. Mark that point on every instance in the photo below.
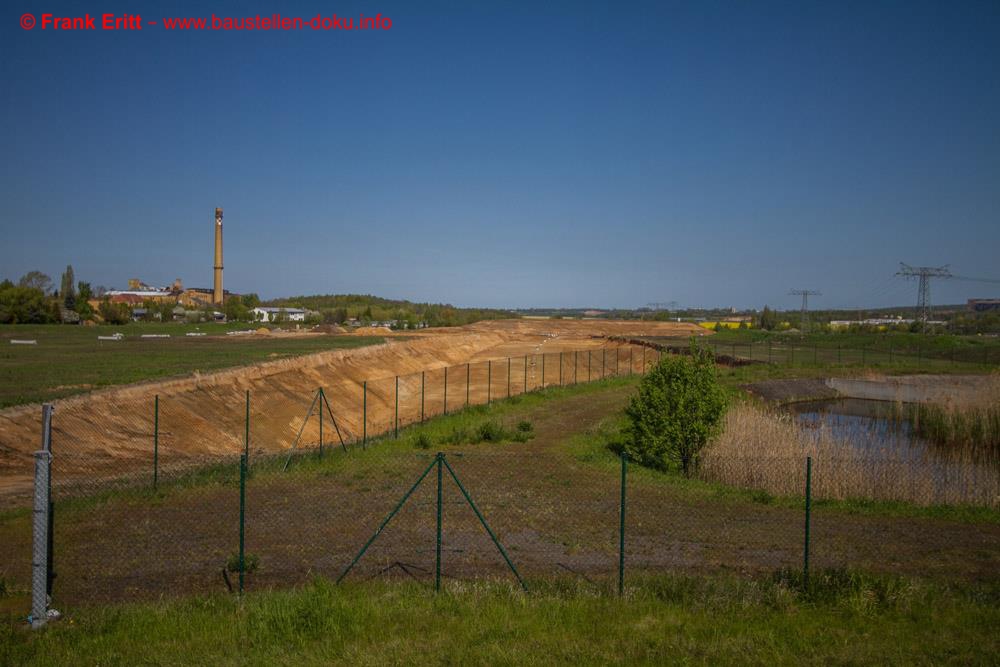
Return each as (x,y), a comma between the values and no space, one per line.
(805,294)
(924,275)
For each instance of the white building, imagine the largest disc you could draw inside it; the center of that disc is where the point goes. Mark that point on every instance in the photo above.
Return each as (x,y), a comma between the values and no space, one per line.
(268,314)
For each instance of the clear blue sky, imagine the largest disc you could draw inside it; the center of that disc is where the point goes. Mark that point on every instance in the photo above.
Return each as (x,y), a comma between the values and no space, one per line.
(513,154)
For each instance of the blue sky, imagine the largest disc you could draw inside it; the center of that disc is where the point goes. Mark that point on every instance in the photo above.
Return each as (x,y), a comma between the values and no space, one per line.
(513,154)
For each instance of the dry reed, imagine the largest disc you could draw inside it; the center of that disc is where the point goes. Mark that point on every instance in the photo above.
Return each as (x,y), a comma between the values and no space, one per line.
(764,449)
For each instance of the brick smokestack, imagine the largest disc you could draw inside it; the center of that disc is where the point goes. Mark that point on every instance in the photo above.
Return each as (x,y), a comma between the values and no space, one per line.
(217,286)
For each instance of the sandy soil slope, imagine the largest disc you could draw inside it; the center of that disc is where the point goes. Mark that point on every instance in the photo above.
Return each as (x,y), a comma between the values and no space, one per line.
(111,431)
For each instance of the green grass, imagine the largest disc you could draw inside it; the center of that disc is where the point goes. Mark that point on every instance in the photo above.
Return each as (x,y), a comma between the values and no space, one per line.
(70,360)
(846,618)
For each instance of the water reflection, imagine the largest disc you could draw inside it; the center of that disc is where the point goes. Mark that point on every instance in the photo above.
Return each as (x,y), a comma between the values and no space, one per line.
(869,426)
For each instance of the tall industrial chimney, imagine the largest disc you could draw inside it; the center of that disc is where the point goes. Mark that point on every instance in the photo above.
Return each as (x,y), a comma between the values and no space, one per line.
(217,287)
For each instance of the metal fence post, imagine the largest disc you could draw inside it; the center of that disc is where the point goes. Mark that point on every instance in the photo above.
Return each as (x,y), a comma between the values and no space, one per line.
(543,370)
(468,375)
(322,402)
(560,368)
(445,390)
(156,439)
(396,427)
(437,559)
(364,413)
(525,375)
(421,396)
(41,557)
(243,507)
(805,559)
(621,530)
(508,377)
(489,380)
(246,429)
(604,361)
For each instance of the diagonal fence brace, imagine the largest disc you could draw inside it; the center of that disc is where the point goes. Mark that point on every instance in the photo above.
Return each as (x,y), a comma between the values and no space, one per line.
(385,522)
(482,520)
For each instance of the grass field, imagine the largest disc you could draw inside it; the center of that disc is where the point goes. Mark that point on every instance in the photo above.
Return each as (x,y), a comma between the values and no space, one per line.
(70,360)
(845,619)
(937,352)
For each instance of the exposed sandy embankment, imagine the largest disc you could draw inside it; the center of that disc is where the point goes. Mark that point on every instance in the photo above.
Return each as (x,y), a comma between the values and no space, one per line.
(110,431)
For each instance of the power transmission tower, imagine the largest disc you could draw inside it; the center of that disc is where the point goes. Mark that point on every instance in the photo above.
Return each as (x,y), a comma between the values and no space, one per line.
(924,275)
(805,294)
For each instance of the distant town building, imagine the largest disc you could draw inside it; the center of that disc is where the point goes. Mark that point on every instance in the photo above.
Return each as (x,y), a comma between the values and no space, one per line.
(983,305)
(270,314)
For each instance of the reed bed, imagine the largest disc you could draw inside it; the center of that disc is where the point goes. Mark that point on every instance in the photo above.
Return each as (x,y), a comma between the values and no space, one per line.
(764,449)
(968,422)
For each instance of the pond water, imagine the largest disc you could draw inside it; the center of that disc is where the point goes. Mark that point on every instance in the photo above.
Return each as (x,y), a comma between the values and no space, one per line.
(868,425)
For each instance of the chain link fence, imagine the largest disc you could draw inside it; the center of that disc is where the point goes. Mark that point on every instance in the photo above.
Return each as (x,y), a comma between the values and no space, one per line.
(343,482)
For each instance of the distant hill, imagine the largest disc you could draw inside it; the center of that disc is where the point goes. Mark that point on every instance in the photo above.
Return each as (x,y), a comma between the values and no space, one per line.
(368,308)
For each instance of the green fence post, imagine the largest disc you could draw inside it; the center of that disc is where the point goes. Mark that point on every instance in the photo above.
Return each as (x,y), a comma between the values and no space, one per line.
(751,350)
(246,434)
(322,402)
(445,390)
(525,375)
(243,497)
(421,396)
(508,377)
(489,380)
(560,369)
(576,357)
(630,351)
(604,361)
(621,531)
(364,414)
(156,439)
(468,376)
(437,559)
(805,559)
(734,351)
(590,356)
(396,427)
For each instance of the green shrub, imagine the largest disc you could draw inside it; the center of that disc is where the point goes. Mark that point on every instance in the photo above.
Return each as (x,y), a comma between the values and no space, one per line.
(677,410)
(422,441)
(250,562)
(491,431)
(524,426)
(458,436)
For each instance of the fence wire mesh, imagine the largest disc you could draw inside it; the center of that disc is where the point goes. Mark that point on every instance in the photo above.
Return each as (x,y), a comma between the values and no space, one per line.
(155,504)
